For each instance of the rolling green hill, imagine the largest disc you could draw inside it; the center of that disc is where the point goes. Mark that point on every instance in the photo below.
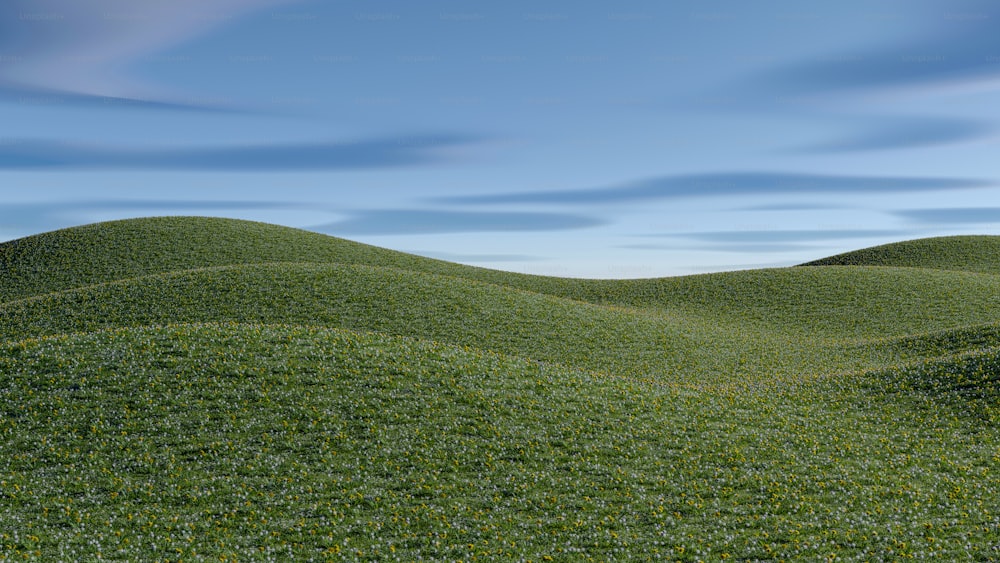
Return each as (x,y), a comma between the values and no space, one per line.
(195,388)
(964,253)
(125,249)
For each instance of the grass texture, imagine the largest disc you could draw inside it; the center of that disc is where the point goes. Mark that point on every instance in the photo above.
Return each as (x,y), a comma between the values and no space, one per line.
(208,389)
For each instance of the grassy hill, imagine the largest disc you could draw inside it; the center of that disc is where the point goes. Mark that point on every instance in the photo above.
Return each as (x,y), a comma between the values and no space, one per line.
(964,253)
(194,388)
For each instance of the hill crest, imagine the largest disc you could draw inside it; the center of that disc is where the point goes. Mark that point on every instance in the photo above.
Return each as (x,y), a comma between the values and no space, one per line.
(969,253)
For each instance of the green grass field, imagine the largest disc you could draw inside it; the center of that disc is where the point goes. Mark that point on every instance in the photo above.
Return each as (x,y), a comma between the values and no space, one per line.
(217,390)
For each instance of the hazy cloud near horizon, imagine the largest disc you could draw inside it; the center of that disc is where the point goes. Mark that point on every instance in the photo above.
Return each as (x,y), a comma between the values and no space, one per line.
(416,221)
(790,235)
(764,241)
(723,184)
(761,248)
(949,215)
(471,257)
(34,218)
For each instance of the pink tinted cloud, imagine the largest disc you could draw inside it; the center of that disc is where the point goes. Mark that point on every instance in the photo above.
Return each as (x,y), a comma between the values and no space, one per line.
(84,47)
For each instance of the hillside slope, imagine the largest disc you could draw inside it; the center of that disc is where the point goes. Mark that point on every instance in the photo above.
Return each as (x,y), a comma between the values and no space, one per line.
(745,336)
(837,303)
(236,441)
(191,388)
(964,253)
(386,300)
(115,250)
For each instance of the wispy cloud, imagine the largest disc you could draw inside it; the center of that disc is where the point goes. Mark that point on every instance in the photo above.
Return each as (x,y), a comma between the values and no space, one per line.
(717,268)
(905,132)
(959,44)
(31,218)
(29,96)
(331,155)
(466,257)
(757,248)
(411,222)
(793,207)
(952,215)
(74,51)
(764,241)
(789,235)
(36,217)
(734,183)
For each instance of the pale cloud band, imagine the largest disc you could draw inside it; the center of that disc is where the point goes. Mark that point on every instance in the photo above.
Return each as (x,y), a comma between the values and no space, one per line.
(958,45)
(418,221)
(77,48)
(952,215)
(726,184)
(276,157)
(905,132)
(766,241)
(23,219)
(789,235)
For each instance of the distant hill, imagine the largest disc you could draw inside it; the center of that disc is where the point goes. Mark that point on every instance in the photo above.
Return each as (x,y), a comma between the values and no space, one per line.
(966,253)
(124,249)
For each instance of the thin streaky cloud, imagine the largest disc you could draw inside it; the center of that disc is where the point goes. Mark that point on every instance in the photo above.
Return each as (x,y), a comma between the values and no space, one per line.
(762,247)
(467,257)
(415,222)
(29,218)
(77,48)
(954,215)
(735,183)
(785,236)
(957,46)
(893,133)
(949,50)
(29,96)
(324,155)
(793,207)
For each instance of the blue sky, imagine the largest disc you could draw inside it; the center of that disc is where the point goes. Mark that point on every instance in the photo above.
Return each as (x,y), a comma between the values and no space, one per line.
(626,139)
